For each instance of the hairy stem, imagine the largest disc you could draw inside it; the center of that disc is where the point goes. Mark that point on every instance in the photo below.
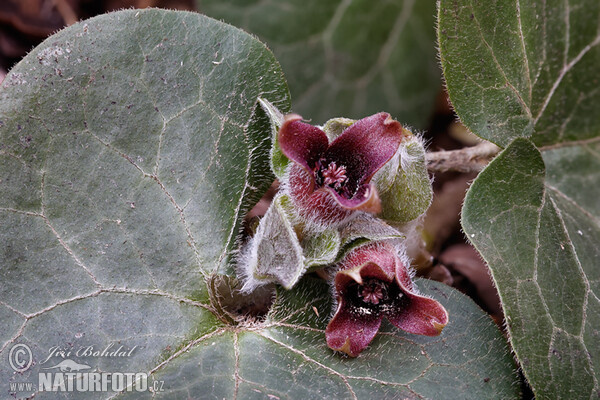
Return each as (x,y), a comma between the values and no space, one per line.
(468,159)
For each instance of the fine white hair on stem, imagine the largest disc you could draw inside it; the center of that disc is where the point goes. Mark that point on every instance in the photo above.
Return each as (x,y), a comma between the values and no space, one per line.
(246,260)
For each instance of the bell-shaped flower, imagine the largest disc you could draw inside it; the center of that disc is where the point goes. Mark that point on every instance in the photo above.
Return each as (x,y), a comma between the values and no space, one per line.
(373,282)
(328,182)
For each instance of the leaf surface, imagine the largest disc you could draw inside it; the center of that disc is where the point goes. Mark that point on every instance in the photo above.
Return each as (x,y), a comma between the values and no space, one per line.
(523,68)
(350,58)
(286,356)
(536,222)
(131,146)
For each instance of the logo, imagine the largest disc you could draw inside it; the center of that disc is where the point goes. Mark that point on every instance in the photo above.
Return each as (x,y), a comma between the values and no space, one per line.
(20,357)
(69,366)
(63,371)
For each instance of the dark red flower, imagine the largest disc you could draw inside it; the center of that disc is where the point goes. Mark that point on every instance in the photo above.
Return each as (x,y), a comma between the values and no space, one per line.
(372,283)
(329,181)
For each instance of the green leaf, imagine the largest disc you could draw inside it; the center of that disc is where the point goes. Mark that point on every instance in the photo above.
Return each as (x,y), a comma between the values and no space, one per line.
(131,146)
(536,221)
(363,229)
(286,356)
(284,248)
(350,58)
(321,249)
(526,69)
(523,68)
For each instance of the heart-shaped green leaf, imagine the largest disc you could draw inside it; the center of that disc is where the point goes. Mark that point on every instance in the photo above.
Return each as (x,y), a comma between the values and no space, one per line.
(286,356)
(131,145)
(536,221)
(347,58)
(523,68)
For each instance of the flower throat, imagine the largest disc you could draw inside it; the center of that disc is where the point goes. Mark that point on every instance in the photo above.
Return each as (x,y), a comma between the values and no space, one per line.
(332,175)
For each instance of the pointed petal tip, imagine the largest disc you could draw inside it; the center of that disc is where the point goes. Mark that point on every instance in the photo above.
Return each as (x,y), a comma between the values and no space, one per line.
(441,324)
(438,321)
(345,348)
(389,121)
(438,327)
(396,126)
(301,142)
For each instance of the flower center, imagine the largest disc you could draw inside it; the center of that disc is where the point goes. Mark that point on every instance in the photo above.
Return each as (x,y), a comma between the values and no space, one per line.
(374,297)
(334,176)
(331,175)
(373,291)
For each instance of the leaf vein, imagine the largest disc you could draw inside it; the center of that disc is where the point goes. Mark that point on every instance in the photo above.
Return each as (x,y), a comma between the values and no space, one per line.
(187,347)
(60,239)
(524,49)
(236,368)
(575,204)
(312,361)
(499,67)
(566,68)
(586,294)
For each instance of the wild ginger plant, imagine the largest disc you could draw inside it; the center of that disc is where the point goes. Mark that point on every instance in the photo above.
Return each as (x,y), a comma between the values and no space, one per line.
(133,144)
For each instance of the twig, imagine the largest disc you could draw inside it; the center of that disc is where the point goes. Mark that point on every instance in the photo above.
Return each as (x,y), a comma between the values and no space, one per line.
(468,159)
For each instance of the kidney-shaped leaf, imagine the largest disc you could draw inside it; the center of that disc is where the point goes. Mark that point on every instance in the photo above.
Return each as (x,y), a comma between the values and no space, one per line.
(523,68)
(538,228)
(286,356)
(131,145)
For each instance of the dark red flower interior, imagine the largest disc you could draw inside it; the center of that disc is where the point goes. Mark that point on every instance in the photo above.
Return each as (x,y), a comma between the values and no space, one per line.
(374,296)
(350,161)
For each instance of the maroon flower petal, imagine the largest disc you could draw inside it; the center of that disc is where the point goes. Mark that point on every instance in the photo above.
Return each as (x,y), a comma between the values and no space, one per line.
(371,283)
(403,276)
(302,142)
(380,254)
(349,333)
(419,315)
(365,146)
(359,274)
(366,199)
